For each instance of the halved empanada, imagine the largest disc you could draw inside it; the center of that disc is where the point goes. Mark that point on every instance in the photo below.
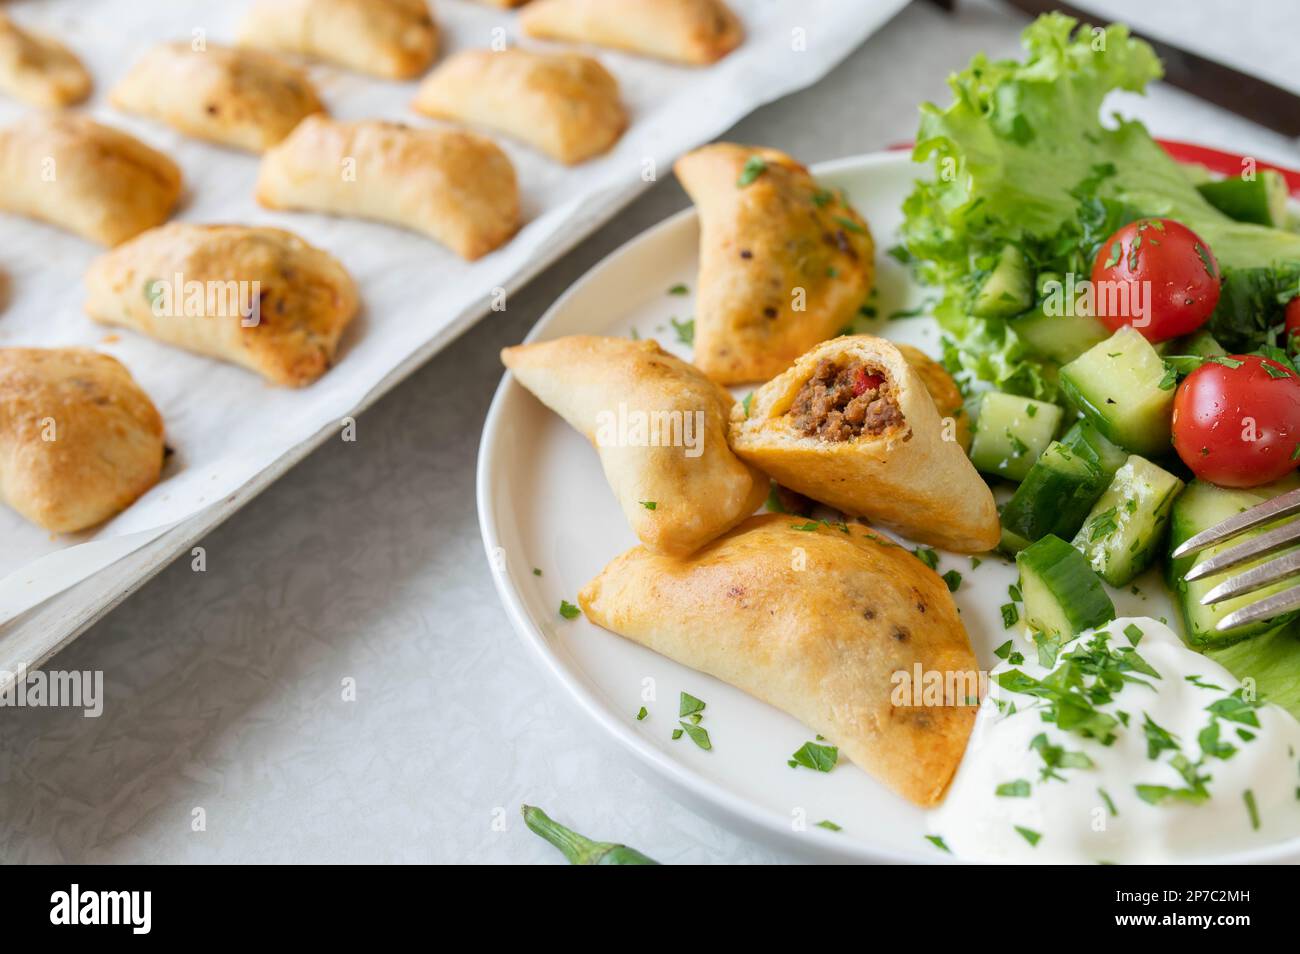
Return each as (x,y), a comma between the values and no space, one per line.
(258,297)
(684,31)
(828,623)
(395,39)
(564,104)
(453,186)
(89,179)
(39,69)
(784,264)
(852,425)
(240,98)
(79,439)
(943,391)
(659,427)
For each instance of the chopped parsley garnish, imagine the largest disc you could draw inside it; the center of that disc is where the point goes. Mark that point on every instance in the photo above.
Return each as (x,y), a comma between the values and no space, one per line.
(808,527)
(749,399)
(685,330)
(568,610)
(650,504)
(642,714)
(1248,797)
(1003,651)
(1057,757)
(953,579)
(1158,739)
(536,572)
(1110,804)
(679,290)
(754,167)
(697,734)
(927,556)
(1029,835)
(1199,683)
(689,705)
(938,843)
(849,224)
(821,758)
(1017,789)
(829,825)
(1234,708)
(1134,633)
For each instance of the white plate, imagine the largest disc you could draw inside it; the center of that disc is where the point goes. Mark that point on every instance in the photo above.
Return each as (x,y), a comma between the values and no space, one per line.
(543,503)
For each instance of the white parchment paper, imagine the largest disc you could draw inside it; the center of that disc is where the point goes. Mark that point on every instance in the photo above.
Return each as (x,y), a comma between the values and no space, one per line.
(224,424)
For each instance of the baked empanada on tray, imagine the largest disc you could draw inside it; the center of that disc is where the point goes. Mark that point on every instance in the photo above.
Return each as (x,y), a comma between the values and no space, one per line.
(392,39)
(565,105)
(695,32)
(660,428)
(852,425)
(79,439)
(257,297)
(39,70)
(784,263)
(828,623)
(242,98)
(96,181)
(453,186)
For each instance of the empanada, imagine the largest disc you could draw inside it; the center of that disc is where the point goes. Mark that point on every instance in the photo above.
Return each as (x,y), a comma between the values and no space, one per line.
(93,180)
(659,427)
(241,98)
(943,390)
(564,104)
(38,69)
(784,264)
(696,32)
(79,439)
(831,624)
(451,185)
(394,39)
(261,298)
(852,425)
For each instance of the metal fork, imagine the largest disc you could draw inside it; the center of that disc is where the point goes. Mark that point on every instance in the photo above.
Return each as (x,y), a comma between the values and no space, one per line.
(1256,577)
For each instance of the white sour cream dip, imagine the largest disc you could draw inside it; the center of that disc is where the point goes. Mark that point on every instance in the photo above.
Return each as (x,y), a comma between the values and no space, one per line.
(1067,798)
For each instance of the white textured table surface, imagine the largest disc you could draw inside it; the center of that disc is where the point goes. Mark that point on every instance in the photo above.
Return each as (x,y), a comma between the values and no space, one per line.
(224,688)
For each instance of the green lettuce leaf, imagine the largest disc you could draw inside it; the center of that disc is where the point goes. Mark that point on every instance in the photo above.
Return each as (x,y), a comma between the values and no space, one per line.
(1022,157)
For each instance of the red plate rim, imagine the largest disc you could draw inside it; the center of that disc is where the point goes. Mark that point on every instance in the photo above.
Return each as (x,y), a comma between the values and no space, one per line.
(1217,160)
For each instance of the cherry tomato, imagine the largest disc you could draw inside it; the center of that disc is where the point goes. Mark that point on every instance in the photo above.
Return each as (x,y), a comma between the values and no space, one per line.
(1156,275)
(1237,424)
(1293,322)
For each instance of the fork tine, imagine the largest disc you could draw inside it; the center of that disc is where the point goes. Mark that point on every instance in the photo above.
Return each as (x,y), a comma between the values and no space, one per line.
(1265,543)
(1267,608)
(1257,577)
(1282,506)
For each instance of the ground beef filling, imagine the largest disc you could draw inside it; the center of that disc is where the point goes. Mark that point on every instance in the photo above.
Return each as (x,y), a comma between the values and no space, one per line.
(843,401)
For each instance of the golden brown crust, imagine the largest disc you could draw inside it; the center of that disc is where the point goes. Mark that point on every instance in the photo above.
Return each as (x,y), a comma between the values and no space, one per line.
(817,623)
(261,298)
(695,32)
(451,185)
(915,479)
(240,98)
(566,105)
(38,69)
(79,440)
(604,387)
(394,39)
(93,180)
(943,390)
(784,264)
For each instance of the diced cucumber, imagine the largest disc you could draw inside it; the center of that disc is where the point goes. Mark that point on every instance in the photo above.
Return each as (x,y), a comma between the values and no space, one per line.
(1062,595)
(1012,543)
(1201,506)
(1060,338)
(1055,495)
(1261,199)
(1009,288)
(1010,432)
(1124,529)
(1083,438)
(1117,386)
